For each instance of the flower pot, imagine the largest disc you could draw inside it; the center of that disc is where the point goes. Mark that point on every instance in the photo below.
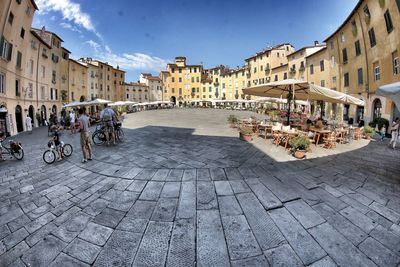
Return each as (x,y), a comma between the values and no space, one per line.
(299,154)
(233,125)
(246,138)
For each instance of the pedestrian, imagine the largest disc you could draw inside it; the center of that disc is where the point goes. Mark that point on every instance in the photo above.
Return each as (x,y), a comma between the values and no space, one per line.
(72,121)
(395,132)
(86,145)
(28,123)
(107,116)
(38,118)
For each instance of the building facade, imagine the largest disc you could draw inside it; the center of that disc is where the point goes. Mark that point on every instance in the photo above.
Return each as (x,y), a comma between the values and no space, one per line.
(137,92)
(78,82)
(154,84)
(364,53)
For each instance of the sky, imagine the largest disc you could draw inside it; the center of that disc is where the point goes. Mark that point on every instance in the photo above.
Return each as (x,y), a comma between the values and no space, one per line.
(143,36)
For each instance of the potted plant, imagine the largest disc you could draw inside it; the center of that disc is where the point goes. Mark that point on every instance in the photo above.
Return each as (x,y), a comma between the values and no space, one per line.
(369,132)
(232,120)
(300,145)
(246,134)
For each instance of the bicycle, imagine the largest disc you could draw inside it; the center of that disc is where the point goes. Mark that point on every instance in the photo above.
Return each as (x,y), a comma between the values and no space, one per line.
(99,136)
(49,156)
(15,149)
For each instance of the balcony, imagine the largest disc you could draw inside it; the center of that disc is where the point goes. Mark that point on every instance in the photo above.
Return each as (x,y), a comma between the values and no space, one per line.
(45,55)
(302,68)
(292,70)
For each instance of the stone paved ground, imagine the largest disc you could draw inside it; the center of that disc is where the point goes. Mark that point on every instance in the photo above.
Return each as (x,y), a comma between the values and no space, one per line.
(182,190)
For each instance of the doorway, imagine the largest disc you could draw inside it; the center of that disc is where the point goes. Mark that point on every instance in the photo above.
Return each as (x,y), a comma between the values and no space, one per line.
(18,119)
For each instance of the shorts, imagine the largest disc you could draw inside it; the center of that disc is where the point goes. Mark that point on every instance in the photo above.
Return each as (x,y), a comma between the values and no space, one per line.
(85,139)
(109,126)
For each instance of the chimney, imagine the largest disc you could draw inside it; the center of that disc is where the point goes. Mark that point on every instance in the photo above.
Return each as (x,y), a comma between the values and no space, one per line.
(316,43)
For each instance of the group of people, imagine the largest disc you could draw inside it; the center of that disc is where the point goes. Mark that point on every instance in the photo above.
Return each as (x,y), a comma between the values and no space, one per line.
(82,124)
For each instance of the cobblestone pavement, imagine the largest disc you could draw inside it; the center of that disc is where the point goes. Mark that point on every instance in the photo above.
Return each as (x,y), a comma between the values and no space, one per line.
(183,190)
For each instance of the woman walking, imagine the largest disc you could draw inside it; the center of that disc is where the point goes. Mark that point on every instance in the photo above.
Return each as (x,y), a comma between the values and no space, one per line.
(28,123)
(395,133)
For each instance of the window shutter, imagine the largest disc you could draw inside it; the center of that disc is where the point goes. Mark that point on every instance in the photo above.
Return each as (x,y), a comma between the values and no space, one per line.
(10,48)
(1,46)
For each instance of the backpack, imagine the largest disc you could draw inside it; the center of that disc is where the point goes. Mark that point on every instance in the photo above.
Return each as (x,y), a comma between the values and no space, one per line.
(107,115)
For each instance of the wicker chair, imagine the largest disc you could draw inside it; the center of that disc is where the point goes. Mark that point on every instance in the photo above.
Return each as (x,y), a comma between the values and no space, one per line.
(330,140)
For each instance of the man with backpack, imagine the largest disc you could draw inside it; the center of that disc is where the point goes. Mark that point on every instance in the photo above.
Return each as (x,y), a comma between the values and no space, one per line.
(107,116)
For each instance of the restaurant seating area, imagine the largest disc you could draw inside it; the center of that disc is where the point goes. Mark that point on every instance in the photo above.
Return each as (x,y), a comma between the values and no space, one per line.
(321,134)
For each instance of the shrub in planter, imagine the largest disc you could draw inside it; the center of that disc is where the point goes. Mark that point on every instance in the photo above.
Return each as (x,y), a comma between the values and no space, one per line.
(380,122)
(300,145)
(246,134)
(369,132)
(232,120)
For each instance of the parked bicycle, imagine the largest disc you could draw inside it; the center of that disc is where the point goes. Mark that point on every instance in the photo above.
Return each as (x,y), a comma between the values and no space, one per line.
(14,149)
(50,155)
(99,136)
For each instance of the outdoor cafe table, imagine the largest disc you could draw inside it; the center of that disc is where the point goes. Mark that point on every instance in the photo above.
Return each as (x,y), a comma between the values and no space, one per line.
(286,136)
(318,132)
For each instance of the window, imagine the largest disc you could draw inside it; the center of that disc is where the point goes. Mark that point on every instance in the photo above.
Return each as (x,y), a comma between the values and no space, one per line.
(333,61)
(312,69)
(19,59)
(209,89)
(180,79)
(192,79)
(377,74)
(276,78)
(11,18)
(366,11)
(255,69)
(17,88)
(42,93)
(22,34)
(354,26)
(342,38)
(180,91)
(357,47)
(5,49)
(331,44)
(180,70)
(173,79)
(396,64)
(372,39)
(285,75)
(346,80)
(388,20)
(261,68)
(344,54)
(2,83)
(322,65)
(30,67)
(334,79)
(323,83)
(360,76)
(30,90)
(173,70)
(28,11)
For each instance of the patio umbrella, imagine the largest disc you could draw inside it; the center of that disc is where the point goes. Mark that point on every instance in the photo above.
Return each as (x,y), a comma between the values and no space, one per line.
(99,101)
(118,103)
(301,90)
(75,104)
(392,91)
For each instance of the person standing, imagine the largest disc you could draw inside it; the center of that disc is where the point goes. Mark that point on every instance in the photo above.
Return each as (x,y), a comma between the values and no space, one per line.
(85,135)
(28,123)
(395,133)
(108,117)
(72,121)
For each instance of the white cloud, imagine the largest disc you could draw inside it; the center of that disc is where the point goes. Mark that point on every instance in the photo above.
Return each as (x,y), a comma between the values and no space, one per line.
(129,61)
(70,27)
(70,11)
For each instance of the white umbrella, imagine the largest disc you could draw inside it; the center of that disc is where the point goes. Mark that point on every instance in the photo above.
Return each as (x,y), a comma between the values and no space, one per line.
(118,103)
(392,91)
(75,104)
(99,101)
(302,90)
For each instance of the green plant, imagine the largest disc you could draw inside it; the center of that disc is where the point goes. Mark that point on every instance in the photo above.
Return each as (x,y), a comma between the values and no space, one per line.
(369,131)
(380,122)
(246,131)
(232,119)
(300,142)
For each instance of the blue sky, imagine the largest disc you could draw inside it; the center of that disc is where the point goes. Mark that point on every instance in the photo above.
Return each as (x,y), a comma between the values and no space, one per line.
(142,36)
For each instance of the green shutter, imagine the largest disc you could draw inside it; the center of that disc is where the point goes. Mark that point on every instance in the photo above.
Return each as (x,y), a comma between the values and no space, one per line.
(1,46)
(10,48)
(398,4)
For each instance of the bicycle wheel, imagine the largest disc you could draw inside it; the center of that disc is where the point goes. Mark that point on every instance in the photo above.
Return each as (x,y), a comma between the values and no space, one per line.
(49,156)
(18,155)
(67,150)
(98,138)
(120,134)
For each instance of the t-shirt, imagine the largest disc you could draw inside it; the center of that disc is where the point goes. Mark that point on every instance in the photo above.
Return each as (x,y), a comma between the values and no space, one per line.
(72,117)
(107,112)
(84,120)
(56,138)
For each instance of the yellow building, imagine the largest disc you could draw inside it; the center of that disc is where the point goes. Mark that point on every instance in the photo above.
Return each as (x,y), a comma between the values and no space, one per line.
(78,74)
(260,65)
(278,73)
(183,81)
(364,54)
(118,81)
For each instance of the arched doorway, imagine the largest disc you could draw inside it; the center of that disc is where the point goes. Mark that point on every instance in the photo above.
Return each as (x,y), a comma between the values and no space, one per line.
(43,113)
(376,108)
(82,98)
(173,99)
(18,118)
(54,109)
(31,113)
(360,113)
